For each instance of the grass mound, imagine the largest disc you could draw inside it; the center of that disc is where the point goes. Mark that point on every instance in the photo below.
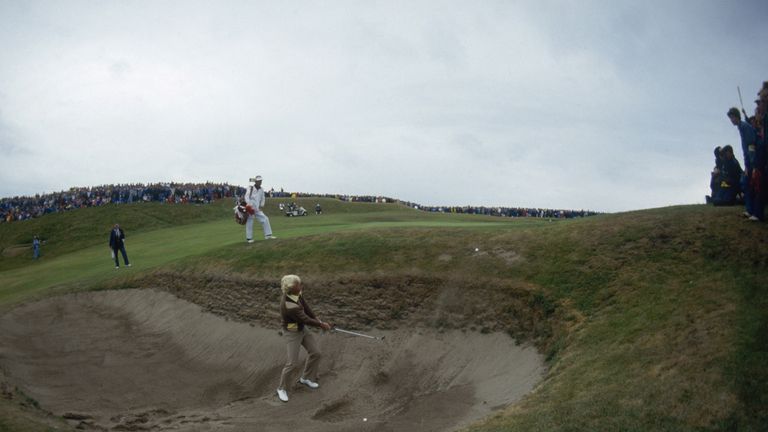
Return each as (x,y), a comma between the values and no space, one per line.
(651,320)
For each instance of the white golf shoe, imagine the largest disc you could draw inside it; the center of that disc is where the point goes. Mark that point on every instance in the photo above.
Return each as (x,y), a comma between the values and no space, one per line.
(250,240)
(309,383)
(282,395)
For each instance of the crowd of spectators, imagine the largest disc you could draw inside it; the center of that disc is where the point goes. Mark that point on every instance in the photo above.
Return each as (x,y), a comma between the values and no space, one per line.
(23,208)
(349,198)
(730,185)
(479,210)
(506,211)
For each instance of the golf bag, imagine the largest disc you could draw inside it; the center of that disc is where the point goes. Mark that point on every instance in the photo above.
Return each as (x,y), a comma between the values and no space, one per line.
(241,214)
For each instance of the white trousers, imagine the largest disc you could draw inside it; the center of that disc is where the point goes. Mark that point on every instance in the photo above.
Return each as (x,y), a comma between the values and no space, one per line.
(263,220)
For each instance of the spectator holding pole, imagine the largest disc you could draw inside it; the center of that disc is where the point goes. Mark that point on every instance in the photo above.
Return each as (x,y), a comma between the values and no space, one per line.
(754,161)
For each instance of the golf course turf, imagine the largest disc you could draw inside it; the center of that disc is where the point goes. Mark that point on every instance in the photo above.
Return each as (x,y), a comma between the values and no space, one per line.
(647,320)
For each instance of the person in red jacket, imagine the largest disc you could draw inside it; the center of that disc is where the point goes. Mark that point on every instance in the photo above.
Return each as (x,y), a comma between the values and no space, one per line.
(297,315)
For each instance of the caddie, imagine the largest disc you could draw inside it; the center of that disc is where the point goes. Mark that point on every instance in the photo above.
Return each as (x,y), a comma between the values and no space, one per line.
(255,200)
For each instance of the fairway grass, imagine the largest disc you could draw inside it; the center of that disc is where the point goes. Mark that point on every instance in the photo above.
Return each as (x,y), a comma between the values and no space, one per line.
(84,269)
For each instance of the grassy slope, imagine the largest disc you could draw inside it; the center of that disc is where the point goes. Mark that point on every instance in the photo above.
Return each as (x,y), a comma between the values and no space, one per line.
(155,249)
(672,322)
(71,231)
(675,335)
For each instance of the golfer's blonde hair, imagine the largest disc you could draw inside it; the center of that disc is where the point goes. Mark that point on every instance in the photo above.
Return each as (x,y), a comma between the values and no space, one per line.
(288,282)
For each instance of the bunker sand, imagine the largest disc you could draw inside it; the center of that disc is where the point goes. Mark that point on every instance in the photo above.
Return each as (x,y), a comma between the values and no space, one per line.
(146,360)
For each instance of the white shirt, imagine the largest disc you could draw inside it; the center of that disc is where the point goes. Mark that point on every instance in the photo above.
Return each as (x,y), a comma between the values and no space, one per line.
(255,197)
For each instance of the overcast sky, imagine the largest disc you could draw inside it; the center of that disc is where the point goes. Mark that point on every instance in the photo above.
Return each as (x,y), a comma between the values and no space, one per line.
(602,105)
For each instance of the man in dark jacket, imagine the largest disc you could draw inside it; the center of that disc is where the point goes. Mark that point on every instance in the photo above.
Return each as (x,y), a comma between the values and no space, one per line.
(117,243)
(297,315)
(729,187)
(714,182)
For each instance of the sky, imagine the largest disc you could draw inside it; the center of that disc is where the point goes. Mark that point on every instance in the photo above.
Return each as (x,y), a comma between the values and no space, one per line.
(601,105)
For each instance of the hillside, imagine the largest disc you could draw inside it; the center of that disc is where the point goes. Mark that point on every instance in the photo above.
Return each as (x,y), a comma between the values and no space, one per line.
(648,320)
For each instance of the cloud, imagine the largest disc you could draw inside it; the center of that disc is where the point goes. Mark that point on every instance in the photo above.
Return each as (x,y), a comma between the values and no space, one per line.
(120,69)
(546,104)
(10,141)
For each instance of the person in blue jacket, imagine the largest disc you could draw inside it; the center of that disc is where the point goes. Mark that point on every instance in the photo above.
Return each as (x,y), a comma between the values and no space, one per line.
(754,163)
(36,247)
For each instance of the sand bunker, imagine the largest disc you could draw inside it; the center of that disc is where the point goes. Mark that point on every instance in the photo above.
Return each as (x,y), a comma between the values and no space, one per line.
(146,360)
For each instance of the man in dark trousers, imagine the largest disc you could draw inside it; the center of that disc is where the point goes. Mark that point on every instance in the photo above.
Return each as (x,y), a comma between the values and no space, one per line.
(117,243)
(754,163)
(36,247)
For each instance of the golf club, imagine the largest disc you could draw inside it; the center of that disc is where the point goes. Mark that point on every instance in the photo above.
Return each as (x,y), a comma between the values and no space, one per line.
(336,329)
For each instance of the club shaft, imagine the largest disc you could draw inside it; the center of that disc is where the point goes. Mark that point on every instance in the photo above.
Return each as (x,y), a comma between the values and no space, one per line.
(740,101)
(354,333)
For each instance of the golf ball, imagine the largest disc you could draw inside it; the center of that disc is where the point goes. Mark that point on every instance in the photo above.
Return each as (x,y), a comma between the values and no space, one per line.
(477,249)
(365,419)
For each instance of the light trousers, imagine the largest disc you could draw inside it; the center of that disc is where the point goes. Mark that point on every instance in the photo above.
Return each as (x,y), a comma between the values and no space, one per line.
(294,341)
(263,220)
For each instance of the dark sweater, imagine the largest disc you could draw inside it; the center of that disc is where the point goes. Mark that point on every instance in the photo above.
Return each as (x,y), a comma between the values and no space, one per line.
(299,314)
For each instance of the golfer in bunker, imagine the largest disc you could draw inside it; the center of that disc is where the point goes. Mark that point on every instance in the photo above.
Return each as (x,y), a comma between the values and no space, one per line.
(297,315)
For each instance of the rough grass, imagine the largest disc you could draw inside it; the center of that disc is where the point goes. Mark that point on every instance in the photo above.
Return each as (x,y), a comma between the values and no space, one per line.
(656,320)
(675,332)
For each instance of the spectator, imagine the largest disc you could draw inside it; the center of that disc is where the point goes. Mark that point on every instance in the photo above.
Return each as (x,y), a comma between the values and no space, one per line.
(754,161)
(117,243)
(729,190)
(761,116)
(714,182)
(36,247)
